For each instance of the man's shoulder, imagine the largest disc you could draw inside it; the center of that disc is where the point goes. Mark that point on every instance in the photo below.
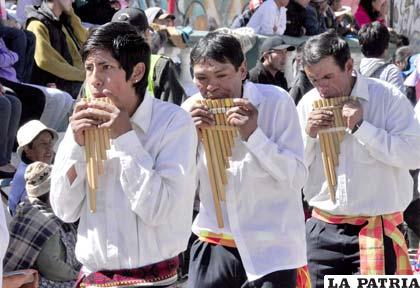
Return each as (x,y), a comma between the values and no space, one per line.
(167,109)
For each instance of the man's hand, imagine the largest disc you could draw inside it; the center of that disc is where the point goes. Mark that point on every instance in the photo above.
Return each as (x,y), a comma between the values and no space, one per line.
(201,116)
(79,122)
(244,116)
(352,113)
(319,119)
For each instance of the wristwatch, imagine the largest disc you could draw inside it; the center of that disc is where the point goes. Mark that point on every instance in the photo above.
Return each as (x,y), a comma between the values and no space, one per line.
(357,126)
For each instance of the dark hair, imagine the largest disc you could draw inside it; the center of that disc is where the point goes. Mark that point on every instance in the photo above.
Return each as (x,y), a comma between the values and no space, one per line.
(402,40)
(323,45)
(218,46)
(374,39)
(367,5)
(125,44)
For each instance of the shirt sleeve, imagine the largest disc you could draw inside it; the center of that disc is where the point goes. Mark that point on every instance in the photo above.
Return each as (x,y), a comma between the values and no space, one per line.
(49,59)
(158,188)
(281,154)
(7,57)
(397,143)
(282,21)
(67,199)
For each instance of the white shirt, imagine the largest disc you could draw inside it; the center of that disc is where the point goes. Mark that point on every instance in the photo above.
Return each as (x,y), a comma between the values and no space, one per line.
(372,176)
(268,19)
(263,209)
(4,241)
(145,197)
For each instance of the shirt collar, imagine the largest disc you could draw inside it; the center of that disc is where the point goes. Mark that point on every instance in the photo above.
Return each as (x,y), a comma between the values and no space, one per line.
(143,115)
(252,93)
(360,88)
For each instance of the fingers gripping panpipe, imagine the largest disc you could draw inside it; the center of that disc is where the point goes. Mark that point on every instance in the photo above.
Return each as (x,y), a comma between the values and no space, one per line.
(218,142)
(331,138)
(97,141)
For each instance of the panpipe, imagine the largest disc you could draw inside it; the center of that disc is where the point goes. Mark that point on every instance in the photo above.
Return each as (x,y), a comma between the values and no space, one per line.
(97,141)
(218,141)
(331,138)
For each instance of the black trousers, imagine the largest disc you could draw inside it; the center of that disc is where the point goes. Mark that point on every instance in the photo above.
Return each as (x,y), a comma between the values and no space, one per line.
(333,249)
(213,266)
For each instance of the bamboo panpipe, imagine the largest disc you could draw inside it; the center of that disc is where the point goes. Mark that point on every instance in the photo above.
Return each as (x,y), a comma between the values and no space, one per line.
(331,138)
(97,141)
(218,142)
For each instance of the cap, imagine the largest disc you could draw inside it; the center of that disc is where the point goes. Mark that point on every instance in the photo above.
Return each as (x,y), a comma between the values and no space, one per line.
(153,13)
(275,43)
(133,16)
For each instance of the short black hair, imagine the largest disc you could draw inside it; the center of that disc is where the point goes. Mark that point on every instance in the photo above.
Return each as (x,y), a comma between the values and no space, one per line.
(374,39)
(324,45)
(125,44)
(218,46)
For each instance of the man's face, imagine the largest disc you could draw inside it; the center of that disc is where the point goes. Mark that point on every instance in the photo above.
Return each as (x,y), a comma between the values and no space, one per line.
(104,72)
(277,59)
(42,148)
(168,21)
(217,80)
(329,79)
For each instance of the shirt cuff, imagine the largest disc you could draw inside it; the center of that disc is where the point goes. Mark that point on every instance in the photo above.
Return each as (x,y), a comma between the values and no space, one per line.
(365,133)
(77,153)
(256,139)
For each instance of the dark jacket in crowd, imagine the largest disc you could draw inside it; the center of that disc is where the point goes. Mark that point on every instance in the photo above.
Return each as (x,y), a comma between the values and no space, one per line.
(316,23)
(166,83)
(300,87)
(258,74)
(296,15)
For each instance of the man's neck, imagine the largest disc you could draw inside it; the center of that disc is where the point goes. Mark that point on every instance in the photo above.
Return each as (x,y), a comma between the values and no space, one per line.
(269,69)
(277,3)
(55,9)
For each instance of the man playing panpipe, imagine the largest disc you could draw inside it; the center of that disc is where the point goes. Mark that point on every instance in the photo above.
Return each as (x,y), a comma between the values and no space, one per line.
(357,231)
(145,195)
(261,243)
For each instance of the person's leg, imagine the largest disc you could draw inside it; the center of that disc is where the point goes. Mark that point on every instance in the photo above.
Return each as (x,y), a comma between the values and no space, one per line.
(29,57)
(16,109)
(326,246)
(277,279)
(5,112)
(32,99)
(215,266)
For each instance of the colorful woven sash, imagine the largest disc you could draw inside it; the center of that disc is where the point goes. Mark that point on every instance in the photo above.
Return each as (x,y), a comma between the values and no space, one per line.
(371,242)
(157,273)
(303,279)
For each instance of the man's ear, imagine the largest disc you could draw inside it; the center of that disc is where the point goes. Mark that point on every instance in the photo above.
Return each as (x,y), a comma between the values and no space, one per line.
(138,72)
(244,70)
(349,66)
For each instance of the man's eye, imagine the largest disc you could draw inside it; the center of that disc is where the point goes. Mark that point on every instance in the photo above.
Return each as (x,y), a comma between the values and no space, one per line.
(107,67)
(88,68)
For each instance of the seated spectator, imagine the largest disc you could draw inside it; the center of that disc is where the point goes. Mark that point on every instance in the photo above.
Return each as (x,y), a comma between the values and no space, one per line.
(163,79)
(243,19)
(369,11)
(374,42)
(319,17)
(296,15)
(38,238)
(159,16)
(270,68)
(344,19)
(413,80)
(50,105)
(22,42)
(301,84)
(269,18)
(59,36)
(10,109)
(36,143)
